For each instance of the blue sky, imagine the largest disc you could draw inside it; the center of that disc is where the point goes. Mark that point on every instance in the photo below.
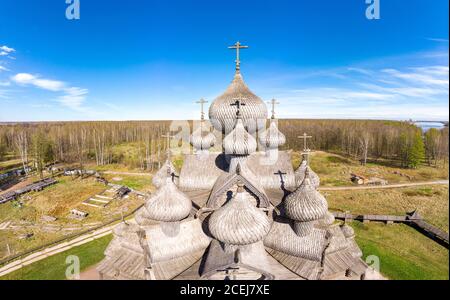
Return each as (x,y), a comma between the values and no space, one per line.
(153,59)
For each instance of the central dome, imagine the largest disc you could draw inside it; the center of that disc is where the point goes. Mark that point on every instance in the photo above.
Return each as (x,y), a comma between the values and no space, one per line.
(222,113)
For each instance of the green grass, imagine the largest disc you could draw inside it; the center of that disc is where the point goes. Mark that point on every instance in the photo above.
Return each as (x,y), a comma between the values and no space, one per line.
(57,200)
(404,253)
(335,170)
(9,165)
(54,267)
(431,202)
(136,182)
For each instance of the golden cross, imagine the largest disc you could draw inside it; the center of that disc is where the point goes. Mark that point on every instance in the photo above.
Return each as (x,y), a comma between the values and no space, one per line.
(305,137)
(273,102)
(238,46)
(202,102)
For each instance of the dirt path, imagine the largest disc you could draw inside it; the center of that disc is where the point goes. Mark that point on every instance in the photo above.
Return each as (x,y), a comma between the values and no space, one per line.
(389,186)
(126,173)
(42,254)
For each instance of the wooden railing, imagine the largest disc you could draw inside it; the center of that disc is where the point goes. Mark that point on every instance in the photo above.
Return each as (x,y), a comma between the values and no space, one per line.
(413,219)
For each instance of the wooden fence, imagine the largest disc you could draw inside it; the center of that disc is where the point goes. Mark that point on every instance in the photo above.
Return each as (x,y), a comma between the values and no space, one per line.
(412,219)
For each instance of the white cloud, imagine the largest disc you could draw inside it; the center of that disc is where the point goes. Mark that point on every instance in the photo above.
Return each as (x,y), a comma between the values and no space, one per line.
(373,91)
(438,40)
(423,76)
(5,83)
(46,84)
(2,68)
(7,49)
(73,97)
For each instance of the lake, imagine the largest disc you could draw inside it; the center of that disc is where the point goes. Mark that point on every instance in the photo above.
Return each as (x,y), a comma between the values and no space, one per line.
(428,125)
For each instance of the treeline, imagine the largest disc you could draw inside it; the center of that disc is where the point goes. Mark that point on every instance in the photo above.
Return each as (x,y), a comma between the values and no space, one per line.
(81,142)
(401,142)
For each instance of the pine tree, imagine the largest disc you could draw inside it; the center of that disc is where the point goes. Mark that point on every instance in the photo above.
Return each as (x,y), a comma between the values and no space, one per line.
(416,153)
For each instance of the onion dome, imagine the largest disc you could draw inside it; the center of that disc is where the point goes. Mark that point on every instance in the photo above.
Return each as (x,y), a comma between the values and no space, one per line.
(239,222)
(239,141)
(223,115)
(306,203)
(168,204)
(329,218)
(202,139)
(272,137)
(160,177)
(348,231)
(300,174)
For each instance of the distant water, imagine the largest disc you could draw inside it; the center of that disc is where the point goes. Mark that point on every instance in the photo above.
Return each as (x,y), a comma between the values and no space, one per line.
(428,125)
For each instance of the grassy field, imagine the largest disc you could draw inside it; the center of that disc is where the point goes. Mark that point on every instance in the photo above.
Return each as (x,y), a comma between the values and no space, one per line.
(137,182)
(54,267)
(9,165)
(335,170)
(404,253)
(56,201)
(430,201)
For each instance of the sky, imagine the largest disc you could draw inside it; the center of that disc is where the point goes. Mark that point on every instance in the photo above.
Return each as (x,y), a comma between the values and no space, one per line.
(145,59)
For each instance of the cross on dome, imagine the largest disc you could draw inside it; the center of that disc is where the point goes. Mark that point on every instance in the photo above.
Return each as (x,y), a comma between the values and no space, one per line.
(273,102)
(202,102)
(304,137)
(238,103)
(238,46)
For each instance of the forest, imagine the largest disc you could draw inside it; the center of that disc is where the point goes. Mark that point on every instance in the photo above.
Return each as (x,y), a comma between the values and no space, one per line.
(41,144)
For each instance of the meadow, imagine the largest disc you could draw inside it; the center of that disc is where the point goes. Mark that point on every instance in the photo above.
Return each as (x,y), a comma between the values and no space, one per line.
(404,253)
(54,267)
(56,201)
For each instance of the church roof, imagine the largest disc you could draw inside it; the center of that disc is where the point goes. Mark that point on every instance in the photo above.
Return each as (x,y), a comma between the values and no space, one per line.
(283,238)
(168,204)
(300,174)
(228,226)
(347,231)
(307,269)
(305,203)
(125,258)
(272,137)
(252,257)
(223,115)
(239,141)
(201,138)
(160,177)
(328,219)
(167,241)
(226,181)
(239,222)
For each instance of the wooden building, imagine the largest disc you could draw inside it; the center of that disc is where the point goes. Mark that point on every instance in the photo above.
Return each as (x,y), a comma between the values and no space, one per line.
(239,213)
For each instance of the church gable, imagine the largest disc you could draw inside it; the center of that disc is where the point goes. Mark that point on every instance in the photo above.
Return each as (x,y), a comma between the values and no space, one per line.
(227,182)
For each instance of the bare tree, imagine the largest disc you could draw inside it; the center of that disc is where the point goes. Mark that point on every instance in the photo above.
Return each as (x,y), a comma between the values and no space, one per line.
(21,143)
(364,141)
